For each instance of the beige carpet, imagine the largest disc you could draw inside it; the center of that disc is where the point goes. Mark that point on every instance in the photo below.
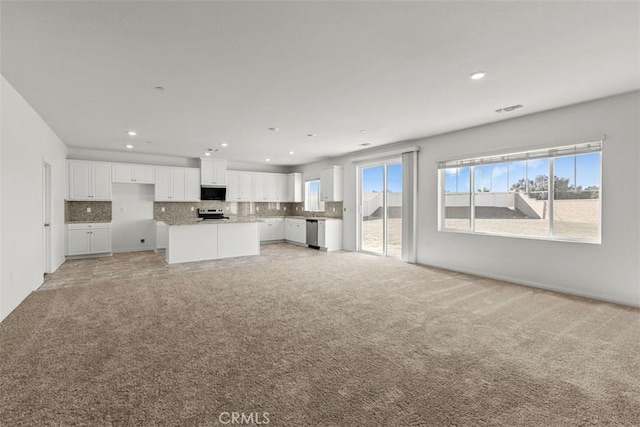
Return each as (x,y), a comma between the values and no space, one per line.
(339,340)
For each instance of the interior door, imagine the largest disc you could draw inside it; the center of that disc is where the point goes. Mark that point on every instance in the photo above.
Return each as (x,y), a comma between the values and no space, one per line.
(381,208)
(46,218)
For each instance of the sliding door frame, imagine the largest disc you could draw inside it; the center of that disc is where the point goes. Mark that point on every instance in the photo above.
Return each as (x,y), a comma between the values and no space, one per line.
(384,162)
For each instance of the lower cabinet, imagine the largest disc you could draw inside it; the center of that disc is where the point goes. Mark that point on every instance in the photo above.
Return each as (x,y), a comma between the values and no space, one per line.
(88,239)
(162,235)
(295,230)
(330,234)
(206,241)
(235,240)
(271,229)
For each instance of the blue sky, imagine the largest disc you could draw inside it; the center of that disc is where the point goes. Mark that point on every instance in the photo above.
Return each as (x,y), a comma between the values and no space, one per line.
(498,177)
(372,178)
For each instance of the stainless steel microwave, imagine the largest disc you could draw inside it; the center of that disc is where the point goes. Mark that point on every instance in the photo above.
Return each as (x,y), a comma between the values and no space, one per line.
(213,193)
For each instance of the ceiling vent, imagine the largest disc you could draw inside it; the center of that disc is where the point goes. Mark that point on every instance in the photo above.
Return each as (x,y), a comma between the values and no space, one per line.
(509,108)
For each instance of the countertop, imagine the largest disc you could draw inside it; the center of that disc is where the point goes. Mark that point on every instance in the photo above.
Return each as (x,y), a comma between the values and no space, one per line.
(88,222)
(199,221)
(320,218)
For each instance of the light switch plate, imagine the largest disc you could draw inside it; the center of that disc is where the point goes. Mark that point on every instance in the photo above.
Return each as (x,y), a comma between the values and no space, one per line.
(88,210)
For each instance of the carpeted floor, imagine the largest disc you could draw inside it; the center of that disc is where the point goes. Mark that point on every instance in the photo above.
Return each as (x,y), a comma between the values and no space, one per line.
(343,339)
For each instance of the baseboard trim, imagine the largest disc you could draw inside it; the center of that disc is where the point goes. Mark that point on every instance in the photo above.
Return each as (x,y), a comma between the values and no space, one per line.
(532,284)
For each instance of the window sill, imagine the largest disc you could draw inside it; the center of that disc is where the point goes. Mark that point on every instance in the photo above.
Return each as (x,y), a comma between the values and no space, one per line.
(518,236)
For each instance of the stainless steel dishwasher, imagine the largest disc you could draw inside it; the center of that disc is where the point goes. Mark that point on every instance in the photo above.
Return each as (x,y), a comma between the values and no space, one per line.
(312,232)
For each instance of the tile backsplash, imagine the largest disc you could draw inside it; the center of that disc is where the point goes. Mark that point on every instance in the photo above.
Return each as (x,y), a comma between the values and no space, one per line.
(75,211)
(182,210)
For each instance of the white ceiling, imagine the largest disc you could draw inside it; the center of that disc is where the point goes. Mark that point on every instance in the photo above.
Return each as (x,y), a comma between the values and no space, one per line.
(231,70)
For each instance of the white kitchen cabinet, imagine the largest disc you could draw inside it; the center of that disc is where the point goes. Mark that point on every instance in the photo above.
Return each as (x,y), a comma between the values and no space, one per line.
(241,239)
(213,172)
(177,184)
(330,234)
(260,187)
(89,180)
(239,186)
(277,232)
(88,239)
(205,241)
(282,192)
(294,187)
(192,184)
(271,229)
(331,184)
(295,230)
(78,242)
(270,187)
(162,235)
(137,174)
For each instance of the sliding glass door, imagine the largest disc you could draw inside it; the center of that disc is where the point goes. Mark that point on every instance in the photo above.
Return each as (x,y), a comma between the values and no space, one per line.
(381,208)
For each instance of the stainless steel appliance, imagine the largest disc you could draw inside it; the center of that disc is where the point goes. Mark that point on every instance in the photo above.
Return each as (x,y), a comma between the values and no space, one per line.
(213,193)
(211,214)
(312,233)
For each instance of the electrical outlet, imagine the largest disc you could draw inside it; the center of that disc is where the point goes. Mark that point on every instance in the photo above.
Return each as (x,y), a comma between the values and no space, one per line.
(192,208)
(162,209)
(284,207)
(257,208)
(334,209)
(88,210)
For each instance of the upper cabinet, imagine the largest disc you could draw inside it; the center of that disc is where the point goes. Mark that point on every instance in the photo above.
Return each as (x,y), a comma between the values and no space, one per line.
(137,174)
(213,172)
(294,187)
(270,187)
(89,180)
(177,184)
(331,184)
(239,186)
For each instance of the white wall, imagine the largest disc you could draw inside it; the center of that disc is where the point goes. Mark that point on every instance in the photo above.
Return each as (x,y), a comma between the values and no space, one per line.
(608,271)
(132,217)
(27,142)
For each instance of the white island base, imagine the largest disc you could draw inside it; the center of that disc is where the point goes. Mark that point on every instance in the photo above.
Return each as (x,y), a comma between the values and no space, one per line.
(205,241)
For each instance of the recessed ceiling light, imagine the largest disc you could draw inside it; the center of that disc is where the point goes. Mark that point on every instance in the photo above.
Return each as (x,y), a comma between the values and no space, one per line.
(224,144)
(478,75)
(267,159)
(291,152)
(363,131)
(132,133)
(129,146)
(274,129)
(207,154)
(160,88)
(311,135)
(364,144)
(148,142)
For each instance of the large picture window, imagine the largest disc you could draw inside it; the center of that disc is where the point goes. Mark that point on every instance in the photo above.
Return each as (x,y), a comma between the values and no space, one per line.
(512,194)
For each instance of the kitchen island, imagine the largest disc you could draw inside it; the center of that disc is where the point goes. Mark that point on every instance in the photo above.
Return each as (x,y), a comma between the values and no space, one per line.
(199,240)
